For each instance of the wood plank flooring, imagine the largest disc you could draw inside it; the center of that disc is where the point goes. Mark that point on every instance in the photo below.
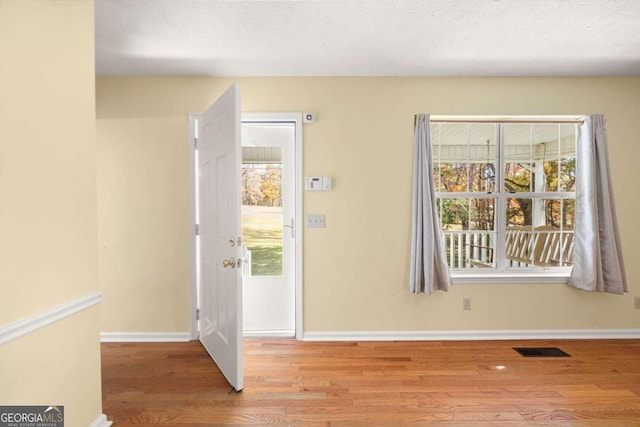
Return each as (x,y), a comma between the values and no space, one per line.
(293,383)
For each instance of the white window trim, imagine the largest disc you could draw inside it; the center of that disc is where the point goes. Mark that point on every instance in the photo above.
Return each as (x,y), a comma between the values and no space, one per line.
(534,276)
(505,274)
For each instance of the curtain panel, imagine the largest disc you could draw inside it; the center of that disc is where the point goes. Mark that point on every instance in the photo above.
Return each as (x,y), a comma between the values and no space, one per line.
(429,269)
(598,263)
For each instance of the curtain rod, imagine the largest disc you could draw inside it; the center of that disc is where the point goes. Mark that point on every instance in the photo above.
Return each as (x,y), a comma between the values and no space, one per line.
(515,119)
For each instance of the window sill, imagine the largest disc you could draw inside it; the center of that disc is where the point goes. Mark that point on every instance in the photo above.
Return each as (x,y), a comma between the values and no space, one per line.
(509,278)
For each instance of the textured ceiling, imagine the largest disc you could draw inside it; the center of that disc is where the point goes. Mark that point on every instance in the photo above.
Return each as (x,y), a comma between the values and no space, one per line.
(368,38)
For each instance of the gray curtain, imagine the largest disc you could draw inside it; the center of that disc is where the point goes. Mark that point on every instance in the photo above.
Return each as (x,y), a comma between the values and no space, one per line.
(598,264)
(429,270)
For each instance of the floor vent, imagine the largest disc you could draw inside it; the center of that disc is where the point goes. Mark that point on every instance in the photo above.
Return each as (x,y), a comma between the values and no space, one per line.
(541,352)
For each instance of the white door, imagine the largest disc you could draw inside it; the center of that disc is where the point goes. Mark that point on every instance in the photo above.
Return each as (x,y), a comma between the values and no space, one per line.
(269,226)
(220,243)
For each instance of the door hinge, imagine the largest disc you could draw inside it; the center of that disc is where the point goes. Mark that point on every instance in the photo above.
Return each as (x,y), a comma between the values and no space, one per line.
(195,143)
(197,229)
(197,314)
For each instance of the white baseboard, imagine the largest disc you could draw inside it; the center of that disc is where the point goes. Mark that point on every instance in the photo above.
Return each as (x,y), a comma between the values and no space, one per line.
(486,335)
(270,334)
(145,336)
(482,335)
(40,320)
(101,421)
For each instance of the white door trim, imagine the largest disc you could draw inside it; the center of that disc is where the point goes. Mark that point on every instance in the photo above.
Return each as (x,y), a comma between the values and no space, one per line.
(193,272)
(298,240)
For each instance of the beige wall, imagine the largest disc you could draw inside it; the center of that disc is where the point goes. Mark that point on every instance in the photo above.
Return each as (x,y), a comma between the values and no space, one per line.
(56,365)
(48,219)
(356,269)
(144,268)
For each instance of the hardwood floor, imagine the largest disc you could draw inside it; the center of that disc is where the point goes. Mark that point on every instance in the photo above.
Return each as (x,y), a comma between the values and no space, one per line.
(376,383)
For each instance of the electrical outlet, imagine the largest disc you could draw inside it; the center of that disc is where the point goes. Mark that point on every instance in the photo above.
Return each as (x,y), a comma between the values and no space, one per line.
(636,303)
(466,304)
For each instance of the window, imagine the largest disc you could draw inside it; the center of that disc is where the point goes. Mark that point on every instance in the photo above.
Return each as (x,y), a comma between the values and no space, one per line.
(505,193)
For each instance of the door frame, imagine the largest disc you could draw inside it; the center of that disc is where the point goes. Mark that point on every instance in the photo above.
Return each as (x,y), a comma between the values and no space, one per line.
(295,118)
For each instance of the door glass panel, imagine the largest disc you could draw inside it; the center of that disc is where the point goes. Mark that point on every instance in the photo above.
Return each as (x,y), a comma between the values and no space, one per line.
(262,214)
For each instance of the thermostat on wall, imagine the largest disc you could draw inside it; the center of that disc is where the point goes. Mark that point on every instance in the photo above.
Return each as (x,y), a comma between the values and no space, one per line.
(317,183)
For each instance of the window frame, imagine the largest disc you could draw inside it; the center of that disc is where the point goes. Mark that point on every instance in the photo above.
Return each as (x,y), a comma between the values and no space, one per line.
(502,272)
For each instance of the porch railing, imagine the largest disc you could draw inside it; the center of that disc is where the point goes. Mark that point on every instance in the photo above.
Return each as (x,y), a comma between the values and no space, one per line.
(542,247)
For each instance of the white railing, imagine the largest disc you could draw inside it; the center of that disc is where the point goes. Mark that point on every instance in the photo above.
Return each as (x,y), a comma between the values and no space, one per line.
(467,249)
(543,246)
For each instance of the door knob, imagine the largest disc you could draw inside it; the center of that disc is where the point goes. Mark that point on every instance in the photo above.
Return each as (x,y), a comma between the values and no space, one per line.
(230,262)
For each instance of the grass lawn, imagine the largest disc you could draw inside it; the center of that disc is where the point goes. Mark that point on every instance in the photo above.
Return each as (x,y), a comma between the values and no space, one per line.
(262,233)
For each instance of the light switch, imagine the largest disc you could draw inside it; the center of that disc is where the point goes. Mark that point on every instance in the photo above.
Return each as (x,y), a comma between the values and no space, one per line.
(315,221)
